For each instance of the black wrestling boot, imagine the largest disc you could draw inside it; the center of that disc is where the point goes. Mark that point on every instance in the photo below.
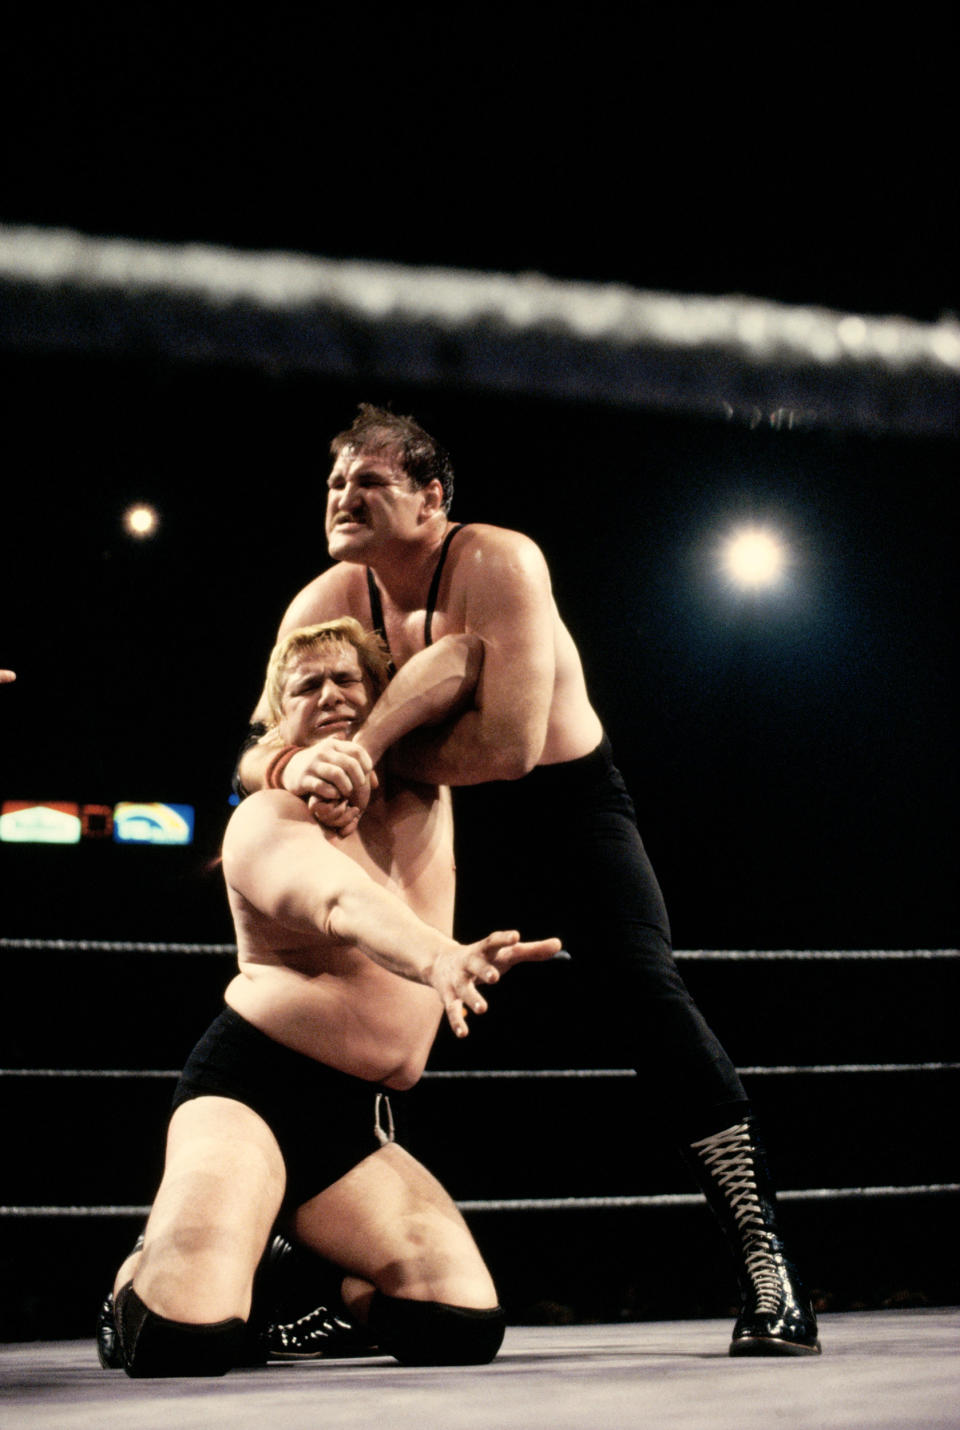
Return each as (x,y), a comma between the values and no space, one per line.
(289,1280)
(109,1353)
(776,1318)
(319,1335)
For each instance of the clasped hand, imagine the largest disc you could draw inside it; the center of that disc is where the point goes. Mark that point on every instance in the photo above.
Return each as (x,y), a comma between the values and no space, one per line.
(336,777)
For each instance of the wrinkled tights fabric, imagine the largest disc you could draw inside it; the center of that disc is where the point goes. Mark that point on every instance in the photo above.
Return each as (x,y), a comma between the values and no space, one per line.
(561,854)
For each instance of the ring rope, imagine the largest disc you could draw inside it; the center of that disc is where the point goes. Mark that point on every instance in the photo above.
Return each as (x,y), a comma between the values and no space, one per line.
(748,358)
(536,1204)
(811,955)
(692,1199)
(690,955)
(494,1074)
(95,945)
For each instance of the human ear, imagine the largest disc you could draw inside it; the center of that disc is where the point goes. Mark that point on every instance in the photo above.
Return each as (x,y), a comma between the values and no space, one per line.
(432,495)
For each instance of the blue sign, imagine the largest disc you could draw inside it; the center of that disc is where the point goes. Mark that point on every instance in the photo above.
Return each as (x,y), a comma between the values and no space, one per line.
(153,823)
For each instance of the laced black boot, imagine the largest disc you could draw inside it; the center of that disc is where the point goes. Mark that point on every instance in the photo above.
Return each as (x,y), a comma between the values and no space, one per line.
(319,1335)
(297,1310)
(776,1317)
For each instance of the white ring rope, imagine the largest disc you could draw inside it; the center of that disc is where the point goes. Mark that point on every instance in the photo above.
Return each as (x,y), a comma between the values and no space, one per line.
(541,1204)
(809,955)
(757,360)
(689,955)
(693,1199)
(95,945)
(518,1074)
(521,1204)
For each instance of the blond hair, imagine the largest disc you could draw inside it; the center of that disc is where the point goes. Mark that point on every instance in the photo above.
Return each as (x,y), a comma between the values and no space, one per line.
(310,640)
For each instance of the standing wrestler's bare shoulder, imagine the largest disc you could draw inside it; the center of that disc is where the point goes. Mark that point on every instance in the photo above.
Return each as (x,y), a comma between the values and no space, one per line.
(483,553)
(338,591)
(499,540)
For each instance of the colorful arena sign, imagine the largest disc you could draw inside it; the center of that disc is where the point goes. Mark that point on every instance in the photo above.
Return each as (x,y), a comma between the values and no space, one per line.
(153,823)
(25,821)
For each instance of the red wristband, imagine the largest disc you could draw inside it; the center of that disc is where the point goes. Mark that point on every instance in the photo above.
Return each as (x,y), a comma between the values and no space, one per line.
(277,766)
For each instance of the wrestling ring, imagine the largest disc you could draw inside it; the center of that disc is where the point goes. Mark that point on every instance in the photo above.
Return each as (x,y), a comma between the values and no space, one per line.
(594,1362)
(515,1103)
(865,1166)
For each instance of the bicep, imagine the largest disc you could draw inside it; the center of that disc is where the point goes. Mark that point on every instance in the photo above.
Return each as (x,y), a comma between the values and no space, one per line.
(279,860)
(510,607)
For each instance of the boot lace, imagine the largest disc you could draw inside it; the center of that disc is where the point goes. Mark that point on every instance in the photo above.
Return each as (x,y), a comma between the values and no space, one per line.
(729,1157)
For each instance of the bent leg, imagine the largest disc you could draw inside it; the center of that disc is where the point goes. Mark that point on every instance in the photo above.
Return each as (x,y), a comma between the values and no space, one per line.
(435,1333)
(223,1182)
(390,1222)
(153,1345)
(415,1271)
(222,1186)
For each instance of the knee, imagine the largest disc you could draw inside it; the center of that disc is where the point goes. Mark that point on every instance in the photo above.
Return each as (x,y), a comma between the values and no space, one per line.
(152,1345)
(433,1333)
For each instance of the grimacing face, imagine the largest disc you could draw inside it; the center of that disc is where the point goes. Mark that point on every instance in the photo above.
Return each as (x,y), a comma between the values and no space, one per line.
(370,501)
(325,692)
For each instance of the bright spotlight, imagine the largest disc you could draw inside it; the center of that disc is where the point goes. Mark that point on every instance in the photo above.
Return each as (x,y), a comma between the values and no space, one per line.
(140,521)
(754,558)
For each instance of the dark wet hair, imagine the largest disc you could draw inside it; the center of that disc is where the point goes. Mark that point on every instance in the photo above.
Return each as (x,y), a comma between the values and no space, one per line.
(376,429)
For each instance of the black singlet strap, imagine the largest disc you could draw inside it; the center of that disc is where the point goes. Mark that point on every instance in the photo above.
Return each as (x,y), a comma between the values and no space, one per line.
(435,583)
(376,605)
(376,608)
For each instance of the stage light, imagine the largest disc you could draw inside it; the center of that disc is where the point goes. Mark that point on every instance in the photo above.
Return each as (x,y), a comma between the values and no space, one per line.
(140,521)
(754,558)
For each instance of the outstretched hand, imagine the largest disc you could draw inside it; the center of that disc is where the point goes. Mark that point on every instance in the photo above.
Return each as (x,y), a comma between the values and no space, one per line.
(456,975)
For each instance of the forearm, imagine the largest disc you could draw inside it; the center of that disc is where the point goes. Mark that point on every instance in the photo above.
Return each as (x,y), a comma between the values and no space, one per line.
(472,749)
(379,923)
(509,605)
(251,771)
(278,861)
(434,683)
(430,687)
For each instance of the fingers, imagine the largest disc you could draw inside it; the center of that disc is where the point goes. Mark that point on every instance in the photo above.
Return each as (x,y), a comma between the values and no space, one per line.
(343,778)
(494,942)
(334,814)
(458,1008)
(337,769)
(534,951)
(459,975)
(457,1019)
(455,977)
(329,784)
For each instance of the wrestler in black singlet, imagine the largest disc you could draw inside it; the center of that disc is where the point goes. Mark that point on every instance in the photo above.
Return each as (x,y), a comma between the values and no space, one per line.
(587,877)
(376,605)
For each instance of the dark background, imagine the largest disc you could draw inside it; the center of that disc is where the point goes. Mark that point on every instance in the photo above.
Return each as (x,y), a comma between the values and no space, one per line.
(690,151)
(793,758)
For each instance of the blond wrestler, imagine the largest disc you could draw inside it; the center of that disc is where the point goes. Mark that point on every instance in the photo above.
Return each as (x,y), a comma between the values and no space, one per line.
(346,966)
